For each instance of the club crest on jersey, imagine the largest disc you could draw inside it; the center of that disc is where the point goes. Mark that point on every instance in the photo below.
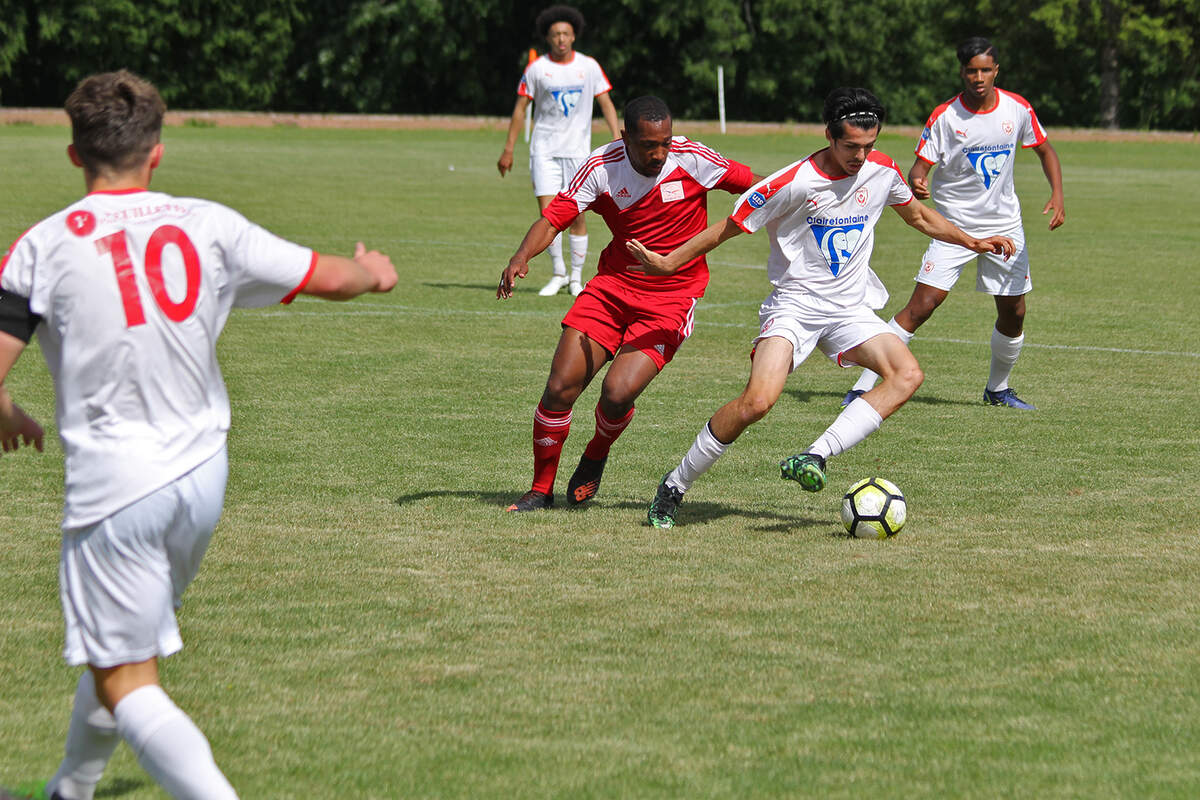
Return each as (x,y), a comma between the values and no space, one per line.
(81,223)
(837,243)
(567,99)
(1007,126)
(671,191)
(988,164)
(861,196)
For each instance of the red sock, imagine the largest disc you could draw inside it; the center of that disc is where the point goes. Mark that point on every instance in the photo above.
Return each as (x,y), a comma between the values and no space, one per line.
(550,429)
(607,431)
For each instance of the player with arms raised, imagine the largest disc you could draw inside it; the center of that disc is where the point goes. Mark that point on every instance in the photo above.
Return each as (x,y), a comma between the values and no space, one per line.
(821,214)
(561,84)
(649,185)
(128,291)
(972,141)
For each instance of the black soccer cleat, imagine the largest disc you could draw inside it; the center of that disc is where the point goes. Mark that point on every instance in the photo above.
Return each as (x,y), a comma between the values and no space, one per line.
(585,483)
(532,501)
(666,504)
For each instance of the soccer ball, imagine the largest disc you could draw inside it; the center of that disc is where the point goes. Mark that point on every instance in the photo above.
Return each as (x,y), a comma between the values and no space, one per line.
(874,508)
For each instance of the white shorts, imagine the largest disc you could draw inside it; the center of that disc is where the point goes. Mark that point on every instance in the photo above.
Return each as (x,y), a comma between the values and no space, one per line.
(943,264)
(808,323)
(552,175)
(121,579)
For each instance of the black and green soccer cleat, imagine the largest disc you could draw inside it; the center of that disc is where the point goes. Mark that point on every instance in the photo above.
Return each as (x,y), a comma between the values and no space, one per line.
(806,469)
(666,504)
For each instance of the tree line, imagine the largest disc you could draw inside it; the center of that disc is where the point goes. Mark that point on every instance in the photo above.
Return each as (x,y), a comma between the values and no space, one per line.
(1082,63)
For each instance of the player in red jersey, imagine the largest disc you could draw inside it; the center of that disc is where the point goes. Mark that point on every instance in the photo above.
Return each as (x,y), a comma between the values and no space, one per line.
(647,185)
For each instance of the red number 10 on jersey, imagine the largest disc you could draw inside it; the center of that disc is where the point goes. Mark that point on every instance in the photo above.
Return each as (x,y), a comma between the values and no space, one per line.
(116,245)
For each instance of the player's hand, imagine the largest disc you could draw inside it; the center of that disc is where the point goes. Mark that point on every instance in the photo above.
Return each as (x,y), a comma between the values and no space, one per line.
(379,265)
(516,269)
(920,188)
(1056,205)
(1000,245)
(505,163)
(17,428)
(649,261)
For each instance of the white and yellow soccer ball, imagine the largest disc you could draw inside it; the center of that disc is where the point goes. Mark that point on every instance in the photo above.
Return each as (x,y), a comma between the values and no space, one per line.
(874,508)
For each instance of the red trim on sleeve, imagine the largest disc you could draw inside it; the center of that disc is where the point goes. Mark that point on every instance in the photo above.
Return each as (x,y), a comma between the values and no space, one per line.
(312,267)
(604,75)
(11,249)
(766,189)
(1039,132)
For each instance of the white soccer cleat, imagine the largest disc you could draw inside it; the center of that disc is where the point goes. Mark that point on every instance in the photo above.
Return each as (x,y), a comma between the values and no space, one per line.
(554,286)
(576,288)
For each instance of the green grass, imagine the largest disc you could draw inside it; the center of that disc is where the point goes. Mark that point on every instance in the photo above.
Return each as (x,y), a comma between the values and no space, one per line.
(368,623)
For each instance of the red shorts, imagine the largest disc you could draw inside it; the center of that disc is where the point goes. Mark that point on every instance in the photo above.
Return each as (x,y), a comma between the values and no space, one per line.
(613,315)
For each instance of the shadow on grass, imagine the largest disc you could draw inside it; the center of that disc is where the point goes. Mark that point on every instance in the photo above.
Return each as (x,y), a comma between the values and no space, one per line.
(835,399)
(690,513)
(119,787)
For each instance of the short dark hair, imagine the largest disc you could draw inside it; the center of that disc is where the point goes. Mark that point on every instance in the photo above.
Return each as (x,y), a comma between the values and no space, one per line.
(850,106)
(976,46)
(116,119)
(648,108)
(554,14)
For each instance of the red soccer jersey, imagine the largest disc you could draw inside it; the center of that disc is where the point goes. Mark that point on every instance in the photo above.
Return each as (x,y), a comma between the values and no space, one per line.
(661,212)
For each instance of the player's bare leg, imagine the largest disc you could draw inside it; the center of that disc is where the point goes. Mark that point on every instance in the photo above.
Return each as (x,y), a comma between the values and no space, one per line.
(167,743)
(920,307)
(768,373)
(576,361)
(559,279)
(1007,340)
(630,373)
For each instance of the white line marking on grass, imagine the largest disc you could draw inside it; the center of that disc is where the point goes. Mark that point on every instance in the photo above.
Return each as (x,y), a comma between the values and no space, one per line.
(368,309)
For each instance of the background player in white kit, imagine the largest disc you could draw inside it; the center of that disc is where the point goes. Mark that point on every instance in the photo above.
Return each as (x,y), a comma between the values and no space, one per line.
(821,214)
(561,85)
(973,140)
(128,291)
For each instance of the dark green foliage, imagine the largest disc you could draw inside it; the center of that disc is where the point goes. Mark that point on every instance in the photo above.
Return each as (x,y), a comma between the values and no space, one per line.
(1080,62)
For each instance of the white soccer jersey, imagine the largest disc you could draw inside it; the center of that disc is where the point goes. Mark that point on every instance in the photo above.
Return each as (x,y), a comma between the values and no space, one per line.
(822,227)
(133,289)
(973,153)
(562,104)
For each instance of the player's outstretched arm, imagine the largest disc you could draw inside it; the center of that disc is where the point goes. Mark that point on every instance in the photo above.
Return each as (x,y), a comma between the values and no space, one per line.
(340,278)
(918,178)
(1053,169)
(931,223)
(16,427)
(541,234)
(708,239)
(514,127)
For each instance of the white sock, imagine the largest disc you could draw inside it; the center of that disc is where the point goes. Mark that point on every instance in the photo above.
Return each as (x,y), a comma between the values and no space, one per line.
(1004,356)
(578,254)
(856,422)
(703,453)
(556,259)
(170,747)
(866,381)
(91,738)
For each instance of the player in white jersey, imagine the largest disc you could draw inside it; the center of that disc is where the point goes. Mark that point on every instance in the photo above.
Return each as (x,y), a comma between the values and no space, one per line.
(820,213)
(128,290)
(561,85)
(972,140)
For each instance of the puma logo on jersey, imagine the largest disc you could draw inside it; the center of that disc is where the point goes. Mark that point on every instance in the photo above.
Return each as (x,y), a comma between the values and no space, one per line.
(960,133)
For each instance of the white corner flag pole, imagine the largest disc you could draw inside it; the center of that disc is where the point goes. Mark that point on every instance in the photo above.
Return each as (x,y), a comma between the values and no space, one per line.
(721,96)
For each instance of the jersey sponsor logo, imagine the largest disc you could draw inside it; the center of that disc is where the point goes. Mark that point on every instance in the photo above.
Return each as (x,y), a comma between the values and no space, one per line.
(757,200)
(81,223)
(925,134)
(671,191)
(989,163)
(861,196)
(567,99)
(837,243)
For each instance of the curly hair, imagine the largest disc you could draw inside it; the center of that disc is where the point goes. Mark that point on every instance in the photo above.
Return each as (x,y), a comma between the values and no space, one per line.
(852,106)
(555,14)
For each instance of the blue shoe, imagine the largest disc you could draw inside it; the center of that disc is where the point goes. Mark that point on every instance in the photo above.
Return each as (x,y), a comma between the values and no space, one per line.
(806,469)
(851,396)
(1007,397)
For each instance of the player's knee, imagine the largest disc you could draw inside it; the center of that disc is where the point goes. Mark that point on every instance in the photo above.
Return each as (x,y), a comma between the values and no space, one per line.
(909,378)
(560,394)
(754,406)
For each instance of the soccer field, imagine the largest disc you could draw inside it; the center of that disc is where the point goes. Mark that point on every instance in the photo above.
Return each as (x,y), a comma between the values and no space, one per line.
(369,623)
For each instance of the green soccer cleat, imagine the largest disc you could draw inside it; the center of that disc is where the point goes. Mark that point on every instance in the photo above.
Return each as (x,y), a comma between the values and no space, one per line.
(29,790)
(666,504)
(806,469)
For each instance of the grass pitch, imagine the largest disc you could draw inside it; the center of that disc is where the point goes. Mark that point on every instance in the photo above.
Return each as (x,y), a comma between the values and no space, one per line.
(369,623)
